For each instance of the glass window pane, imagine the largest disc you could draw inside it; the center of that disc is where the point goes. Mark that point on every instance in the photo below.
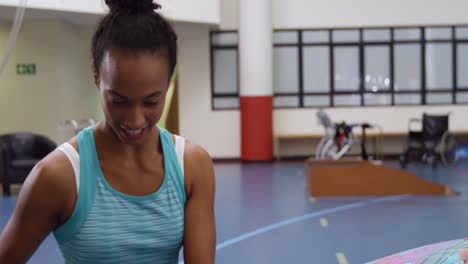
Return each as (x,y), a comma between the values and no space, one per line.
(377,99)
(439,66)
(462,97)
(438,98)
(316,69)
(228,38)
(226,103)
(345,35)
(286,70)
(286,101)
(346,62)
(438,33)
(225,71)
(285,37)
(461,32)
(377,68)
(462,65)
(316,36)
(316,100)
(377,35)
(347,100)
(407,99)
(407,67)
(407,34)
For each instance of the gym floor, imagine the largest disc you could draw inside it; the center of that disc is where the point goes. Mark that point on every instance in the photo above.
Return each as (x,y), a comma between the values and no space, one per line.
(264,215)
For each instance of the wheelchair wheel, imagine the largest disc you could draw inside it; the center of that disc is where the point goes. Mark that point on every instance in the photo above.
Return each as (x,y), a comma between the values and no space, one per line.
(448,149)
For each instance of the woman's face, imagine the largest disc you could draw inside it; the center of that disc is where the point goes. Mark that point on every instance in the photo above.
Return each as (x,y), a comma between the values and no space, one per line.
(133,91)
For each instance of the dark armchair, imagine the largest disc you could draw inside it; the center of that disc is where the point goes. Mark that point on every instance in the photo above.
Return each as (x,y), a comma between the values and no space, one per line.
(19,153)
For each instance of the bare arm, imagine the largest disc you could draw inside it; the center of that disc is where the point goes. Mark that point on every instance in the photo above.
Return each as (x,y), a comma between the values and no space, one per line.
(200,231)
(38,210)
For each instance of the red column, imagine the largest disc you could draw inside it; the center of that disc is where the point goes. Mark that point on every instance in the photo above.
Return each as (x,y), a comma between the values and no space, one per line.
(257,128)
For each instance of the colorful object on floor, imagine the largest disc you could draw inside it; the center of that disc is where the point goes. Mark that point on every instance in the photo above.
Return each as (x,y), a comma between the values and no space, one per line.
(441,253)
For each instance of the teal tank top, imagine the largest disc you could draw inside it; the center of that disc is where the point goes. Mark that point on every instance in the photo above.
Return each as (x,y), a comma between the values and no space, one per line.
(108,226)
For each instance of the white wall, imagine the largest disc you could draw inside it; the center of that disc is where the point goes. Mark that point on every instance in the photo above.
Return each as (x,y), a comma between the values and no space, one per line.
(218,132)
(200,11)
(61,89)
(342,13)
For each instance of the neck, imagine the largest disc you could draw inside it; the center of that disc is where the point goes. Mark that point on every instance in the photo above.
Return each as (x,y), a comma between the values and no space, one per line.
(108,139)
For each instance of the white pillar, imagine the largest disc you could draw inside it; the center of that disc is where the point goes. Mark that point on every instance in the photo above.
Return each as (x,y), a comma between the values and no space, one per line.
(255,47)
(256,79)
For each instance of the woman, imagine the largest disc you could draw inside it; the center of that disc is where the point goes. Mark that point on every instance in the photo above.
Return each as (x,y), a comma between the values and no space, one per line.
(123,191)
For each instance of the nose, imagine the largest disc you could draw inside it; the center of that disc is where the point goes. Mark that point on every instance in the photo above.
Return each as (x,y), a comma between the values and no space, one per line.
(135,118)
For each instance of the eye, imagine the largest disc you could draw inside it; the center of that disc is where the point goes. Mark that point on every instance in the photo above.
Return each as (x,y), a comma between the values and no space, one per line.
(118,101)
(150,104)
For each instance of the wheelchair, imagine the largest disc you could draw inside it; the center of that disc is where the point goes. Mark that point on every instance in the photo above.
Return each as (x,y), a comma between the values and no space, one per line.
(431,144)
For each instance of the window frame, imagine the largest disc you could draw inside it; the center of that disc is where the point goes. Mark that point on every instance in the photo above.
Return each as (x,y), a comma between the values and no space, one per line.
(422,42)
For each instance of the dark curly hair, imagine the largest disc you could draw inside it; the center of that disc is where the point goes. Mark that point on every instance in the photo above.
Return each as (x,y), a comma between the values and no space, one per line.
(134,26)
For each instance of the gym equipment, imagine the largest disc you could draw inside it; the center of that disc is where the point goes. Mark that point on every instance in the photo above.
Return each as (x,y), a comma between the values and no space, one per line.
(339,138)
(69,128)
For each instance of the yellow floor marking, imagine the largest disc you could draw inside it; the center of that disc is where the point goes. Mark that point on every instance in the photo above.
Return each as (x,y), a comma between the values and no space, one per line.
(312,200)
(323,222)
(341,258)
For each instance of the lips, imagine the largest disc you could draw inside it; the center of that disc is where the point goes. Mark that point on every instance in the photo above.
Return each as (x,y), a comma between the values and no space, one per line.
(133,134)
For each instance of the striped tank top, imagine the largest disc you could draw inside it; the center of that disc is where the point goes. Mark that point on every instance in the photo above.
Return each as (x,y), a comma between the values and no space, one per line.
(108,226)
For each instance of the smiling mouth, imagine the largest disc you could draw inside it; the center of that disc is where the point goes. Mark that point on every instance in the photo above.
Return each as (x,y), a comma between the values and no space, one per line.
(133,133)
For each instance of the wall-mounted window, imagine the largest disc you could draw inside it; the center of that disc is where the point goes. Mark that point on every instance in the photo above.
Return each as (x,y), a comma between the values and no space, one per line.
(224,74)
(286,69)
(353,67)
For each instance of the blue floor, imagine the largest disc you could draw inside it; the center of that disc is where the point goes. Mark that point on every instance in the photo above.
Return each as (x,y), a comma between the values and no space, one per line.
(264,215)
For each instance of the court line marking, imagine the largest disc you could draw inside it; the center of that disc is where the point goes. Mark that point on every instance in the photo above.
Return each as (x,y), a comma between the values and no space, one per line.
(323,222)
(291,221)
(294,220)
(312,200)
(306,217)
(341,258)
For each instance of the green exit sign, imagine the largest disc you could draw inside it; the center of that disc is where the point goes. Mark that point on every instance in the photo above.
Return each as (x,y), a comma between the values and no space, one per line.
(26,69)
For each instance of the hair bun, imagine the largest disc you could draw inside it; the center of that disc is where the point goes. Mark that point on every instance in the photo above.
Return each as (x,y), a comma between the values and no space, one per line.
(132,6)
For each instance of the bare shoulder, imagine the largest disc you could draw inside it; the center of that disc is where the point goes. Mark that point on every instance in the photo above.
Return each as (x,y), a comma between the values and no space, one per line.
(56,169)
(50,187)
(53,173)
(198,167)
(196,152)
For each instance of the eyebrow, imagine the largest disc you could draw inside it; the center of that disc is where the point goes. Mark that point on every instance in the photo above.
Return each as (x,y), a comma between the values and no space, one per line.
(154,94)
